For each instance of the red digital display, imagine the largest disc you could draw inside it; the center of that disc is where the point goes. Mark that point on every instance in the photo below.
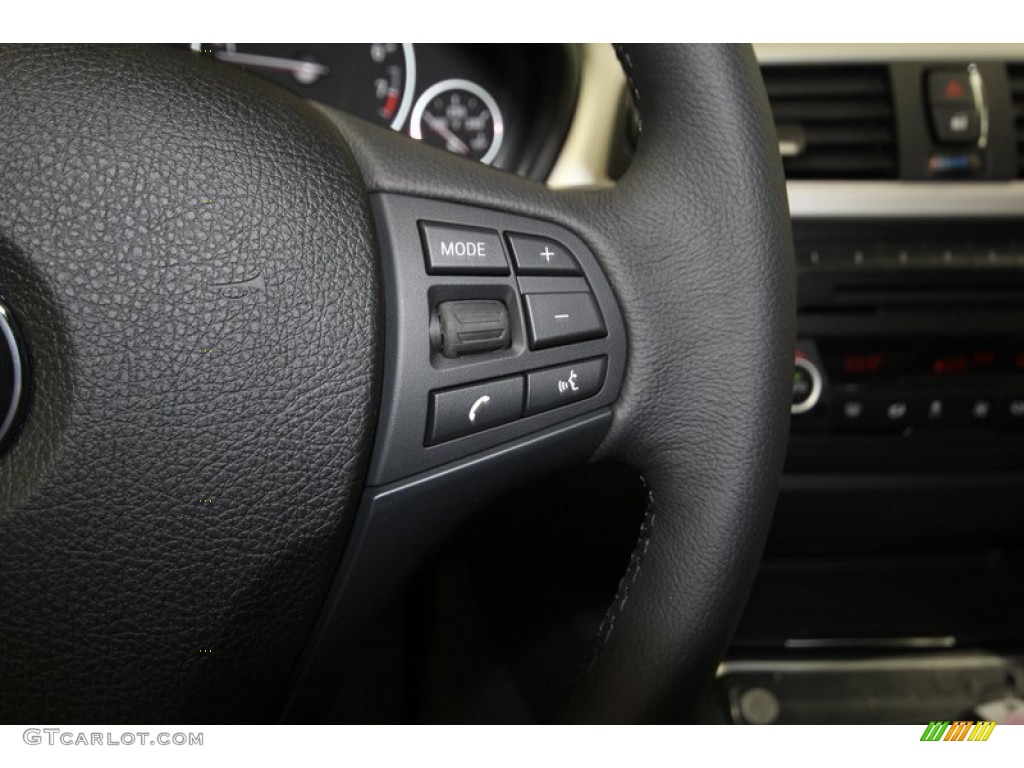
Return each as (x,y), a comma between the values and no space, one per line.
(955,364)
(961,359)
(862,364)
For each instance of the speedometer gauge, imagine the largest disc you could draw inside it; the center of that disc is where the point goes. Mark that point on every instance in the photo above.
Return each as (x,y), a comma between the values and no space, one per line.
(459,116)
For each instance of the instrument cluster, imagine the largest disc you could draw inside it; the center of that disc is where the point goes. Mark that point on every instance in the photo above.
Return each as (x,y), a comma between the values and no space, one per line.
(503,105)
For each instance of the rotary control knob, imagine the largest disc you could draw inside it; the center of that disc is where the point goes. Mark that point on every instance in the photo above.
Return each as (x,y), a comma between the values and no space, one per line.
(472,327)
(806,386)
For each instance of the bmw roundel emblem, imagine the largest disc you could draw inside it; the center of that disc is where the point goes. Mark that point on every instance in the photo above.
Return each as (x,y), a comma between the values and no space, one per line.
(12,375)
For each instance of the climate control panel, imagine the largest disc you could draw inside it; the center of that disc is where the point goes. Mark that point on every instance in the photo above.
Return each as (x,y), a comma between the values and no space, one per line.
(870,385)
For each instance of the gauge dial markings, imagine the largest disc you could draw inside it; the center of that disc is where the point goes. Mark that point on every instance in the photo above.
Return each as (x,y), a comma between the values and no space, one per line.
(463,115)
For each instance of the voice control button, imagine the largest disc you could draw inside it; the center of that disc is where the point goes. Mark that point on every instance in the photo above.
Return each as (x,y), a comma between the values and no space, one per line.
(554,387)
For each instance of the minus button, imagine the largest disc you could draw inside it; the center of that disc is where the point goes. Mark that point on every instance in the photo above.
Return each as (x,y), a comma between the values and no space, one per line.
(562,318)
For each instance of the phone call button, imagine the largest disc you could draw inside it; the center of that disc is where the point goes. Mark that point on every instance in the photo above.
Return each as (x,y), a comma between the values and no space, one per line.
(465,410)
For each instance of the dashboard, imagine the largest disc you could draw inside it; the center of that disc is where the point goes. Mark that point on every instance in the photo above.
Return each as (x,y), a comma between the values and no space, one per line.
(899,526)
(507,106)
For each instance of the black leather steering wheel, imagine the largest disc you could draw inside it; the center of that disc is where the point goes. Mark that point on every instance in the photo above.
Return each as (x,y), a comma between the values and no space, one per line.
(198,263)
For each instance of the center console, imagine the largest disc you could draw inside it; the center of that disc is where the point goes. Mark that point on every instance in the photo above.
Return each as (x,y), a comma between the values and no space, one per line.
(896,553)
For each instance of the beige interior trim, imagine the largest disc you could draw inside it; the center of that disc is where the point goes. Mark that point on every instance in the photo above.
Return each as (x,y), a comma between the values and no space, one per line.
(583,161)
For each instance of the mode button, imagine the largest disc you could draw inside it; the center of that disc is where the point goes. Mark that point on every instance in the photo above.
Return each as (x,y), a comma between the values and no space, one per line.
(454,250)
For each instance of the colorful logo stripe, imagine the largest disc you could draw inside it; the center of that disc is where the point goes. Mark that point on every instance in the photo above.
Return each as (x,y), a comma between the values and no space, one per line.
(958,730)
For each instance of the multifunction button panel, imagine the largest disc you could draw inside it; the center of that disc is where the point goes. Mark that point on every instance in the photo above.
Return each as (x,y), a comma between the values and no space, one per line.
(497,327)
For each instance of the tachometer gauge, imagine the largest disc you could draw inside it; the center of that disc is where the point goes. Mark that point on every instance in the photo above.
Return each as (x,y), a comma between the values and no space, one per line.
(461,117)
(395,81)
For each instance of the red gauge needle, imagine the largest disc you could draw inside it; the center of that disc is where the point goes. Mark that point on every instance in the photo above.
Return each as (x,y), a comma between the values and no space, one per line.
(454,143)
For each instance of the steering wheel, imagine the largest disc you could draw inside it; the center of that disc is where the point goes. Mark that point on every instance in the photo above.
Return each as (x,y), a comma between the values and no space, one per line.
(241,424)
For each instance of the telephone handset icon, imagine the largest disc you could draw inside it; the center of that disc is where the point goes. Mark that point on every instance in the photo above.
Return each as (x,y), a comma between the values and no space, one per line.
(482,401)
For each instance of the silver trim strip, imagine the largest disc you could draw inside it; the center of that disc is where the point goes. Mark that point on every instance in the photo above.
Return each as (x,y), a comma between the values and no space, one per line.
(925,662)
(798,53)
(980,107)
(870,642)
(8,336)
(905,199)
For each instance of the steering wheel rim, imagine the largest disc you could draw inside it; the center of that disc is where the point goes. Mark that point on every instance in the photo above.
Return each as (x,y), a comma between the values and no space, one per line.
(694,241)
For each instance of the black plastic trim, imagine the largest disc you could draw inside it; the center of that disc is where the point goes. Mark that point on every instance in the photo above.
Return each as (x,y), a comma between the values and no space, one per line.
(399,526)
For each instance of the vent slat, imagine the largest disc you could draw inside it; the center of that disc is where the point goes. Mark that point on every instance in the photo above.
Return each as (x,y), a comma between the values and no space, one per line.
(834,121)
(841,135)
(804,87)
(845,165)
(831,111)
(1016,74)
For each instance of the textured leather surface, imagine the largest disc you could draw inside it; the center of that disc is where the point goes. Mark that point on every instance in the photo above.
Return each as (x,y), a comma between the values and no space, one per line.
(190,256)
(696,241)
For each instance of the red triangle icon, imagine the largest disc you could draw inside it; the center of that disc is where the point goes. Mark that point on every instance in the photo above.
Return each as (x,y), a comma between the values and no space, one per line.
(954,89)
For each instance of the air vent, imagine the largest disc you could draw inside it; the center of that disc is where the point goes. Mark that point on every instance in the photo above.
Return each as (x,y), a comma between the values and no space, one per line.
(1016,73)
(834,122)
